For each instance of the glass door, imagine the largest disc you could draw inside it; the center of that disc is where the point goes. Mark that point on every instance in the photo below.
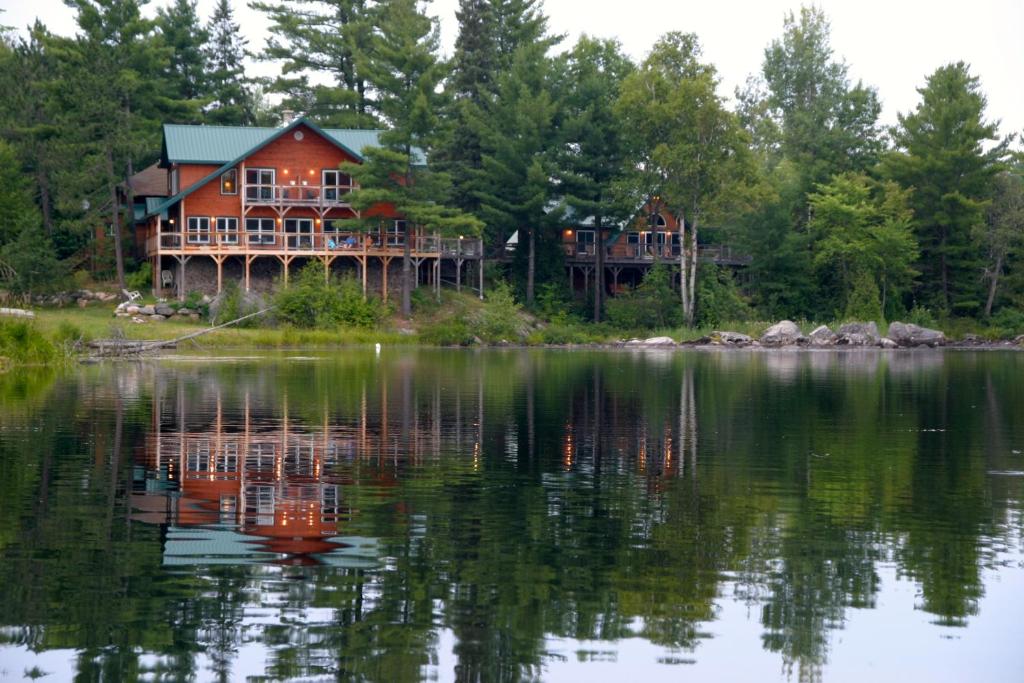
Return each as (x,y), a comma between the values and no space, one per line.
(299,232)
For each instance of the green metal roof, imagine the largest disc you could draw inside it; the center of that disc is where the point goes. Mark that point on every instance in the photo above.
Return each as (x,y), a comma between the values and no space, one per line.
(219,144)
(189,141)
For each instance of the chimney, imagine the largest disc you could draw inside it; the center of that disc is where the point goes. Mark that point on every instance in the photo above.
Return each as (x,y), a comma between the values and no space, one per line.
(287,116)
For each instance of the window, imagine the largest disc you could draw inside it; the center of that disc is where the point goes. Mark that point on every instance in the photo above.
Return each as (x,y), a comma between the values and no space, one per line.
(675,243)
(584,241)
(198,230)
(259,184)
(395,233)
(229,182)
(658,221)
(336,184)
(227,230)
(260,230)
(299,232)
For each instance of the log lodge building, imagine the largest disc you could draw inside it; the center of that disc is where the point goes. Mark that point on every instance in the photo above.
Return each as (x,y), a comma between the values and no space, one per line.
(252,205)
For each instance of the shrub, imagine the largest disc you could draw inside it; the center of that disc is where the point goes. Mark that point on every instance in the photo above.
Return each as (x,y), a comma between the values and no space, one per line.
(451,332)
(500,319)
(864,301)
(718,298)
(141,279)
(312,302)
(654,304)
(922,316)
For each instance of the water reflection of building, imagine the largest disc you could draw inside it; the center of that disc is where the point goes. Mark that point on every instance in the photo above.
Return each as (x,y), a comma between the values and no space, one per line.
(237,481)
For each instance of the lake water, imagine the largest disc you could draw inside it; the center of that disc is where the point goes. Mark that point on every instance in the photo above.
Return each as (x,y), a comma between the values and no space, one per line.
(516,515)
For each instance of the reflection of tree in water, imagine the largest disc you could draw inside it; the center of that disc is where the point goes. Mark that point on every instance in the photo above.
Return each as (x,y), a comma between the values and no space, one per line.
(517,497)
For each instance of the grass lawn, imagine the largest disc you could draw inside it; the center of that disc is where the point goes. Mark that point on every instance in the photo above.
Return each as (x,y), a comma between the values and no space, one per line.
(97,321)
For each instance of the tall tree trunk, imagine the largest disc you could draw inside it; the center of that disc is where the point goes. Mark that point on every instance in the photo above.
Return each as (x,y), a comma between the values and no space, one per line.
(531,268)
(116,220)
(683,292)
(993,285)
(691,314)
(406,275)
(599,273)
(45,200)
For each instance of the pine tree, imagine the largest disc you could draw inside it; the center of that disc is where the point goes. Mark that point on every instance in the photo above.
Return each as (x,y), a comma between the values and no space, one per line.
(186,38)
(403,68)
(312,38)
(112,91)
(518,131)
(231,102)
(593,148)
(490,34)
(941,156)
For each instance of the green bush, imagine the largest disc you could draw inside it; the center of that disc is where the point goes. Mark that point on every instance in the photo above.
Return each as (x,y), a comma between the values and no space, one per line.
(864,301)
(654,304)
(1008,321)
(232,304)
(499,319)
(719,298)
(69,335)
(922,316)
(450,332)
(141,279)
(312,302)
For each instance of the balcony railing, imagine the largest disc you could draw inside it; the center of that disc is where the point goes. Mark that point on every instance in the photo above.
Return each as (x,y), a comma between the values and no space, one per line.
(318,243)
(297,194)
(719,253)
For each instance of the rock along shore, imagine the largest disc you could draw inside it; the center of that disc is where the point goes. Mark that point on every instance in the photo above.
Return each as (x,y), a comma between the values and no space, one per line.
(787,334)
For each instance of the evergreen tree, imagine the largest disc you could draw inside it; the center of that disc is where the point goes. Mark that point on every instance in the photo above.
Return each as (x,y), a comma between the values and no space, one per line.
(490,33)
(28,114)
(231,102)
(186,38)
(404,70)
(593,148)
(312,38)
(18,211)
(942,157)
(519,134)
(111,88)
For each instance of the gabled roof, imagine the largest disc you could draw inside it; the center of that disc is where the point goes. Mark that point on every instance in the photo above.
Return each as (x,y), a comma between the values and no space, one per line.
(179,144)
(185,144)
(149,182)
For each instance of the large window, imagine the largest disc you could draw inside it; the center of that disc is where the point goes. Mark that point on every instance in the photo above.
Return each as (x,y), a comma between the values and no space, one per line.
(299,232)
(260,230)
(395,233)
(198,230)
(227,230)
(585,242)
(336,185)
(259,184)
(229,182)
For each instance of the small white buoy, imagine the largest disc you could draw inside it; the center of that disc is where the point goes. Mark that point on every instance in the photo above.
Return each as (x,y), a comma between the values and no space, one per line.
(377,348)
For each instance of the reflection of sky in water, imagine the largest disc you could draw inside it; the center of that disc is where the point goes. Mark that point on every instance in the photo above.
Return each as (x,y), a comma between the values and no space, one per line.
(893,643)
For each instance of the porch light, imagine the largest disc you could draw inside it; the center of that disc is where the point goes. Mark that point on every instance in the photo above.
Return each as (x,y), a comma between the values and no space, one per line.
(286,171)
(318,221)
(291,182)
(171,221)
(311,172)
(568,233)
(305,182)
(279,221)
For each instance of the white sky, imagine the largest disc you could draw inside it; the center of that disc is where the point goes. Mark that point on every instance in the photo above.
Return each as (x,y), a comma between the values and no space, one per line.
(890,44)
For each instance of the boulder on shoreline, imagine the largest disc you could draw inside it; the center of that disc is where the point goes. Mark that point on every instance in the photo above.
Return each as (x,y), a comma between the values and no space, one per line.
(859,334)
(908,334)
(727,338)
(822,336)
(783,333)
(887,343)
